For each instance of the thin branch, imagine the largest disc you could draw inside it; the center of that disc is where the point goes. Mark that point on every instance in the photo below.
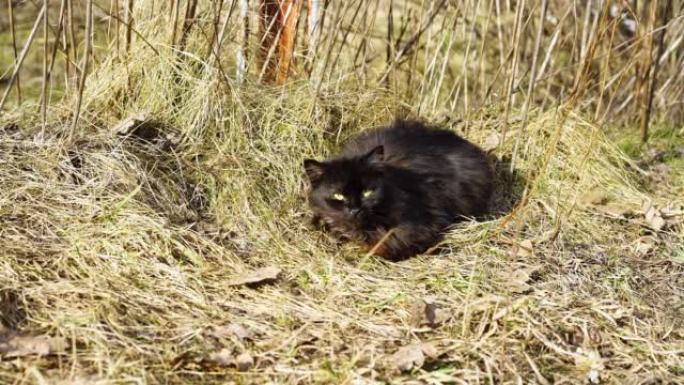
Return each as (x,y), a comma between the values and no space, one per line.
(22,56)
(14,45)
(411,41)
(535,56)
(655,63)
(86,61)
(44,85)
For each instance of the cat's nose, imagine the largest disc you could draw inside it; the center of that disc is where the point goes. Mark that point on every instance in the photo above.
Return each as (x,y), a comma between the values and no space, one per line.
(354,212)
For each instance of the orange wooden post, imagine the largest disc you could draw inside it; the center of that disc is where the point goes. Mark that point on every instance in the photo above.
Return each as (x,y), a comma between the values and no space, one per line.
(278,28)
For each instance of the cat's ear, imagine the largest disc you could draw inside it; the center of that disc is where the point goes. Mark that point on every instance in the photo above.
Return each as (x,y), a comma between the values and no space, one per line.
(314,169)
(376,155)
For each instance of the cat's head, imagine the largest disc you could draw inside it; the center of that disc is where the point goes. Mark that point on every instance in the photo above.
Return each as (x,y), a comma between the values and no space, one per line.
(348,192)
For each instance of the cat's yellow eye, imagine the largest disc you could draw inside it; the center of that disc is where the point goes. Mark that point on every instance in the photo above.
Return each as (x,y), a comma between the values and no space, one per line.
(367,193)
(338,197)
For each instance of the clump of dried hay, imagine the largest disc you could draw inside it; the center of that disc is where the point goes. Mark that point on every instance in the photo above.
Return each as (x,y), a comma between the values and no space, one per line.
(124,242)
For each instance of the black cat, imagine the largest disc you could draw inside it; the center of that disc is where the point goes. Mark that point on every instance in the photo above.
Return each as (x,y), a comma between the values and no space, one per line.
(397,189)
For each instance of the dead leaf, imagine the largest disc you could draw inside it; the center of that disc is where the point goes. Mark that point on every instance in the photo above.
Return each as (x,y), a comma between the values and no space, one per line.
(430,350)
(500,314)
(438,316)
(652,215)
(517,280)
(647,207)
(261,276)
(589,364)
(673,215)
(657,223)
(417,313)
(14,345)
(595,197)
(617,210)
(129,124)
(223,357)
(408,357)
(427,313)
(643,245)
(484,304)
(523,249)
(364,381)
(244,361)
(659,173)
(413,356)
(233,330)
(672,211)
(492,141)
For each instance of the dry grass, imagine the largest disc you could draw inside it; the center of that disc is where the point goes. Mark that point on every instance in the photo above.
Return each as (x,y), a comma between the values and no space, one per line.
(123,242)
(125,250)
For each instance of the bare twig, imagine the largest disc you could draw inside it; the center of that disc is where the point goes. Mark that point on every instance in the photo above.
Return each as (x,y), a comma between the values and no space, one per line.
(71,53)
(188,22)
(45,80)
(174,23)
(514,64)
(312,25)
(85,62)
(412,40)
(242,54)
(653,74)
(128,15)
(533,70)
(10,12)
(137,33)
(22,56)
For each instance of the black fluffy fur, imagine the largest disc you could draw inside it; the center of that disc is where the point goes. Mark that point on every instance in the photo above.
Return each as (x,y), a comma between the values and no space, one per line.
(421,180)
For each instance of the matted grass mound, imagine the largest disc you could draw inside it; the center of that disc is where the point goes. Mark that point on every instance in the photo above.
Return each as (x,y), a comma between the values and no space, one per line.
(137,249)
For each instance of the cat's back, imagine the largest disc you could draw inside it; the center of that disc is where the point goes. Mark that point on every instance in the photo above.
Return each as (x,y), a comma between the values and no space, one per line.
(457,171)
(407,141)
